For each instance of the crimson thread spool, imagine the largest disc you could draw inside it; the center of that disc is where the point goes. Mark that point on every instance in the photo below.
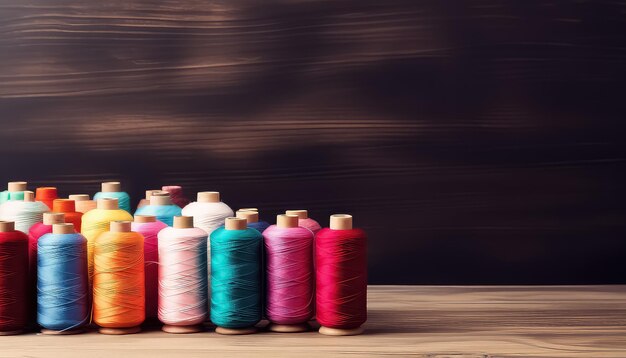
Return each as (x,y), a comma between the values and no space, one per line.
(68,207)
(118,281)
(176,192)
(341,277)
(305,221)
(13,279)
(34,233)
(82,203)
(289,275)
(46,195)
(149,227)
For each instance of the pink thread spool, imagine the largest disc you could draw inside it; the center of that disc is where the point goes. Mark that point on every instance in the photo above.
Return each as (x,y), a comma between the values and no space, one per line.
(289,275)
(304,220)
(183,281)
(149,227)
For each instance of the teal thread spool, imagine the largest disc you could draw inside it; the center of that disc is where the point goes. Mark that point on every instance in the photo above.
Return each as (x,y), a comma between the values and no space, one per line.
(113,190)
(15,191)
(162,207)
(236,274)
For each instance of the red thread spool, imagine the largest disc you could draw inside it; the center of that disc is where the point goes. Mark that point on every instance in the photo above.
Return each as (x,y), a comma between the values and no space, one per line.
(68,207)
(46,195)
(34,233)
(13,279)
(177,195)
(341,277)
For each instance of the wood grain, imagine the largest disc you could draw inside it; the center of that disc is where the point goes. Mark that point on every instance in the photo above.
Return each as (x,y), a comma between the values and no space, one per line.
(494,130)
(415,321)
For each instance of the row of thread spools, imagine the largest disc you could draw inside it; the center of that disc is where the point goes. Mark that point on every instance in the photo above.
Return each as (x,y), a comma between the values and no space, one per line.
(87,261)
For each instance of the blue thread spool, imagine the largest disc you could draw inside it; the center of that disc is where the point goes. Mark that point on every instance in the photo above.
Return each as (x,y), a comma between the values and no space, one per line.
(62,281)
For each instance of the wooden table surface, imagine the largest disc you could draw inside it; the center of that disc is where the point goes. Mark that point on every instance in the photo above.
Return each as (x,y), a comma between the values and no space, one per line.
(418,321)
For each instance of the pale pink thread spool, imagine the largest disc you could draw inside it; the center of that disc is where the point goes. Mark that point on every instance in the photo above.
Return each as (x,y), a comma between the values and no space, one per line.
(149,227)
(304,220)
(289,275)
(183,281)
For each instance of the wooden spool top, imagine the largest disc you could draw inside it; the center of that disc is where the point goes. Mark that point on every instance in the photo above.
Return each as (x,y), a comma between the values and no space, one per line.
(79,197)
(248,209)
(209,197)
(302,214)
(235,224)
(341,222)
(107,204)
(120,226)
(160,198)
(64,228)
(111,186)
(144,219)
(7,226)
(53,218)
(250,216)
(286,221)
(29,196)
(183,222)
(14,186)
(149,193)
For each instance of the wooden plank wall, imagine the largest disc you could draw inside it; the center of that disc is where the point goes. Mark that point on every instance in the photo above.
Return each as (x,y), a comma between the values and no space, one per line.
(476,142)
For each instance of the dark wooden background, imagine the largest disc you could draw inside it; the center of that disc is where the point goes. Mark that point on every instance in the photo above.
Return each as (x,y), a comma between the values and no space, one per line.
(475,141)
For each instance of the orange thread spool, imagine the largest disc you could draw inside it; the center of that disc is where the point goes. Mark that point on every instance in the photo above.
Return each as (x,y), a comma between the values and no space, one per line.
(118,282)
(68,207)
(46,195)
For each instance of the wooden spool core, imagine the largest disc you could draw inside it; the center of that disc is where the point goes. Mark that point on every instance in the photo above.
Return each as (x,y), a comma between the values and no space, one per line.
(208,197)
(160,198)
(79,197)
(235,224)
(7,226)
(301,214)
(145,219)
(65,228)
(250,216)
(119,331)
(68,332)
(182,329)
(11,333)
(149,193)
(248,209)
(341,222)
(14,186)
(29,196)
(53,218)
(111,187)
(340,332)
(235,331)
(107,204)
(286,221)
(120,226)
(183,222)
(288,328)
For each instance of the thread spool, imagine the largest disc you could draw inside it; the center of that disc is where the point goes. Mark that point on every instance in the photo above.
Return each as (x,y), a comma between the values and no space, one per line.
(149,227)
(97,221)
(252,219)
(13,279)
(183,284)
(68,207)
(289,275)
(62,282)
(177,195)
(236,277)
(118,281)
(15,191)
(113,190)
(46,195)
(146,200)
(162,207)
(24,213)
(304,220)
(82,203)
(208,211)
(341,256)
(34,233)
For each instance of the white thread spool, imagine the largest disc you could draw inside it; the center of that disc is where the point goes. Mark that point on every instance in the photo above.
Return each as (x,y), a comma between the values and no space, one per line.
(24,213)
